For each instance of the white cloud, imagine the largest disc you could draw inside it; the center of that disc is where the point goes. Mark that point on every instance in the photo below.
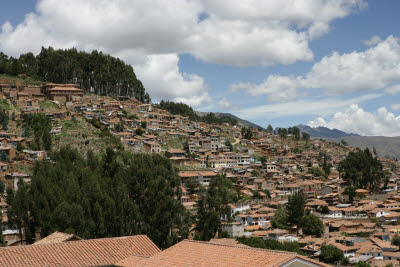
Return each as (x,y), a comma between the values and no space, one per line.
(373,41)
(277,88)
(160,74)
(393,89)
(356,120)
(313,107)
(224,103)
(372,69)
(395,106)
(244,33)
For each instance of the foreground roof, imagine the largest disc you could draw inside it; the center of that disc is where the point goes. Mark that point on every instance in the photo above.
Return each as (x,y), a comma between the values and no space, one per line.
(93,252)
(197,253)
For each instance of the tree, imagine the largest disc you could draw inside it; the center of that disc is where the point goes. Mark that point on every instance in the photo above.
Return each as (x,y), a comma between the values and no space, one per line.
(283,132)
(305,136)
(396,240)
(212,206)
(296,133)
(330,254)
(3,155)
(280,219)
(344,143)
(4,118)
(312,225)
(362,264)
(139,131)
(95,71)
(316,171)
(295,208)
(269,128)
(192,185)
(324,209)
(115,194)
(246,133)
(2,243)
(228,144)
(20,147)
(2,187)
(119,127)
(362,170)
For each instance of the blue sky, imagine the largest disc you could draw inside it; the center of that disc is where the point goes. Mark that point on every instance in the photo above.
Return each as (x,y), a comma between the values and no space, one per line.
(268,62)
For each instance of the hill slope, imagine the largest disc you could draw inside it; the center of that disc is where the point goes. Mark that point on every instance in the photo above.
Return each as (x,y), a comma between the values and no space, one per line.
(385,146)
(240,121)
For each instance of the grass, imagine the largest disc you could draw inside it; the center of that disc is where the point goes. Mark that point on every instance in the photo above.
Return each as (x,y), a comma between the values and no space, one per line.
(4,104)
(25,169)
(26,81)
(175,143)
(46,105)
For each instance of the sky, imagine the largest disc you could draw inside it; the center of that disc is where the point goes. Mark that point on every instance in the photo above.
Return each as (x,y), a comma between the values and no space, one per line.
(332,63)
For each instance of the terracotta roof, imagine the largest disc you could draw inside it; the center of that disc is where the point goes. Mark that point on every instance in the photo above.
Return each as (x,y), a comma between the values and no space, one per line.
(57,237)
(197,253)
(93,252)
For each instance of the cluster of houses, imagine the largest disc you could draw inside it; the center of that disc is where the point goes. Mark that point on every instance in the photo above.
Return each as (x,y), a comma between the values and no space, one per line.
(265,170)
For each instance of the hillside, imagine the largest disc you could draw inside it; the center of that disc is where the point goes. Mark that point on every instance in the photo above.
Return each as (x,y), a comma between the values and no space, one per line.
(240,121)
(323,132)
(385,146)
(95,72)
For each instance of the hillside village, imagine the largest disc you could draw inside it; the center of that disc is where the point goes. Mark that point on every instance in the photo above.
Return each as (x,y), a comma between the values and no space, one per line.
(265,168)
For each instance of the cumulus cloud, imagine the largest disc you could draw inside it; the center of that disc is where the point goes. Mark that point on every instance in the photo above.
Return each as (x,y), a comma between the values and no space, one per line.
(161,76)
(395,106)
(224,103)
(247,33)
(373,41)
(356,120)
(372,69)
(277,88)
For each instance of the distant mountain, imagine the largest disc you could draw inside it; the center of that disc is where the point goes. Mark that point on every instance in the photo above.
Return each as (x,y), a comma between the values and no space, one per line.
(240,121)
(385,146)
(323,132)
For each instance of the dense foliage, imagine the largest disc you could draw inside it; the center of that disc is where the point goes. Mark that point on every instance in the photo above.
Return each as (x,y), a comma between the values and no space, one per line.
(2,243)
(295,214)
(41,125)
(257,242)
(295,208)
(4,118)
(212,205)
(95,72)
(362,170)
(312,225)
(330,254)
(187,111)
(115,194)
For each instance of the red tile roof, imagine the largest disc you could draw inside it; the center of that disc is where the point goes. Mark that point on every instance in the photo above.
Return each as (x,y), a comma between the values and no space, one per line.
(93,252)
(197,253)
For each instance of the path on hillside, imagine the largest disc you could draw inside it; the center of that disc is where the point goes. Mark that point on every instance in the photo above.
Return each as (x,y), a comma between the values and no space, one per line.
(237,140)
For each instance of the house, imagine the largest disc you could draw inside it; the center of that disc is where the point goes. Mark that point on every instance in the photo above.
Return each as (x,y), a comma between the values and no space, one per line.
(34,155)
(152,147)
(206,176)
(62,92)
(92,252)
(199,253)
(13,179)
